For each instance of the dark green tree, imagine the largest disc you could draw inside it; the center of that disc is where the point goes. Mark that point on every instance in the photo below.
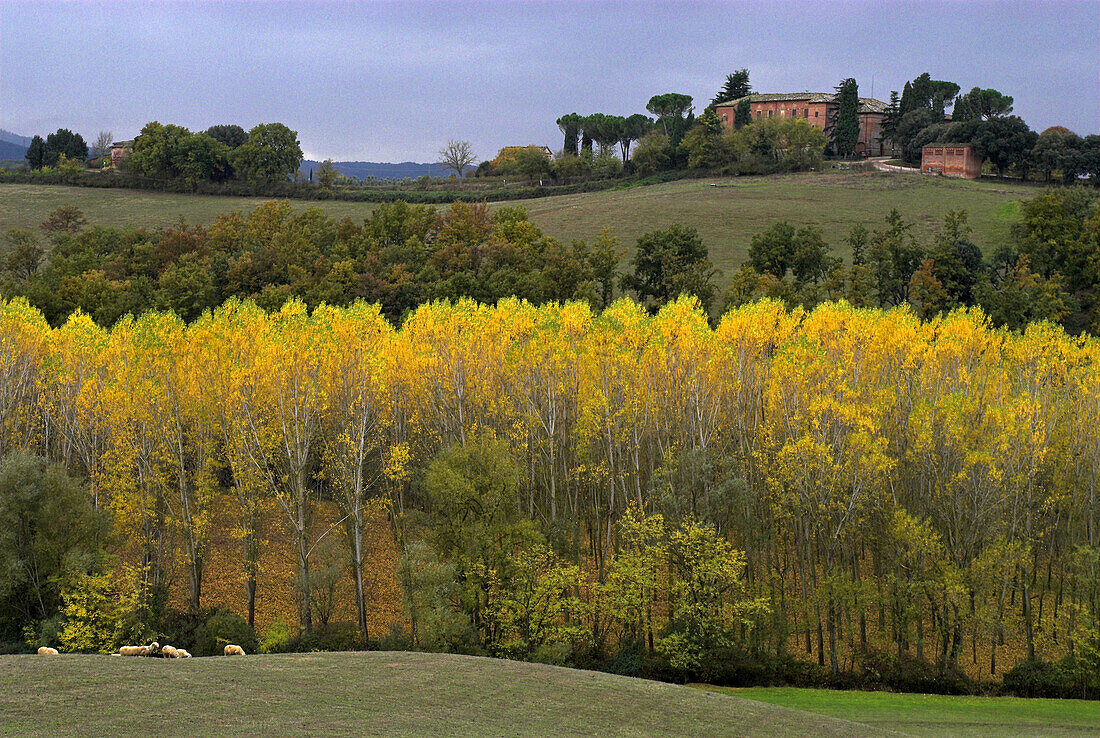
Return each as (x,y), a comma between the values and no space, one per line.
(1090,156)
(735,87)
(891,117)
(64,141)
(704,144)
(979,104)
(742,115)
(844,128)
(771,251)
(670,109)
(203,158)
(23,254)
(231,135)
(909,128)
(907,102)
(630,130)
(472,493)
(570,126)
(1058,151)
(1004,142)
(957,261)
(49,532)
(892,258)
(857,241)
(36,153)
(271,154)
(159,150)
(668,263)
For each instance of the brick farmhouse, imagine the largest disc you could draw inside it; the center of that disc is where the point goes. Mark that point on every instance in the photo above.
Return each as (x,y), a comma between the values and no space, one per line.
(120,150)
(951,160)
(817,109)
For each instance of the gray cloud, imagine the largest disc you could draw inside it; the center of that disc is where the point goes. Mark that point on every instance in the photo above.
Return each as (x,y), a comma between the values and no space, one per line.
(394,80)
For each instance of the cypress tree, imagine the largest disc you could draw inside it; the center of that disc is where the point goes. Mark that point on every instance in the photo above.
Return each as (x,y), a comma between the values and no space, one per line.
(36,153)
(906,100)
(845,129)
(742,116)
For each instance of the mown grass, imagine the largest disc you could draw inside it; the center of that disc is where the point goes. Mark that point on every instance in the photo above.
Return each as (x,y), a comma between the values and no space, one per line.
(377,693)
(938,715)
(726,211)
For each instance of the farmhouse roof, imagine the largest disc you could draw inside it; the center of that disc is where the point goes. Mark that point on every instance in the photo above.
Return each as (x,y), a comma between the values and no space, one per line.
(122,144)
(866,104)
(949,145)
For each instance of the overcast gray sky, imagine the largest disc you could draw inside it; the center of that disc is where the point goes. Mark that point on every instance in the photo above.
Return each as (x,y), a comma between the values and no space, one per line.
(392,81)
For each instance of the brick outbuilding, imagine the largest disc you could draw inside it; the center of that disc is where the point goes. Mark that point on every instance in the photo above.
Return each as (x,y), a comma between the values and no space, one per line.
(951,160)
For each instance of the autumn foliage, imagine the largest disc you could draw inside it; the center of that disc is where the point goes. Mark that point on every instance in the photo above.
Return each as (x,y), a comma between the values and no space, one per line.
(828,483)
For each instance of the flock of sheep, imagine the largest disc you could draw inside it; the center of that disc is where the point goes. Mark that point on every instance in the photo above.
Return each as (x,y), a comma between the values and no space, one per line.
(167,652)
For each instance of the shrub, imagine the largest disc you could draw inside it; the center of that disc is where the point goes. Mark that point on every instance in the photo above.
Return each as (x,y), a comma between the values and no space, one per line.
(220,627)
(276,637)
(333,637)
(1036,678)
(878,668)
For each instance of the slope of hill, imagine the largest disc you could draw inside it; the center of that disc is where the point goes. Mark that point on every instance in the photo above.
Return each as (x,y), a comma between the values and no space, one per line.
(373,693)
(15,138)
(12,151)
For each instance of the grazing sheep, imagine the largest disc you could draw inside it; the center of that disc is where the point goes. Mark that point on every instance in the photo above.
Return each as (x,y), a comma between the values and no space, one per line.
(182,653)
(47,651)
(131,650)
(168,652)
(232,650)
(150,649)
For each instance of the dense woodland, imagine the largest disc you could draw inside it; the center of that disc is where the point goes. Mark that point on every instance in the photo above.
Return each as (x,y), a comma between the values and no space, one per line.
(858,489)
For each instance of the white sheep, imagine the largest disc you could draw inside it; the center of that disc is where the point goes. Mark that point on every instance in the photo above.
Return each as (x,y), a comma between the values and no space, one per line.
(150,649)
(233,650)
(131,650)
(182,653)
(47,651)
(168,652)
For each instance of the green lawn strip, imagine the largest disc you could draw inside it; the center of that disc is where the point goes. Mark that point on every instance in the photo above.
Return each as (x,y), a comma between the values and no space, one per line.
(937,715)
(377,693)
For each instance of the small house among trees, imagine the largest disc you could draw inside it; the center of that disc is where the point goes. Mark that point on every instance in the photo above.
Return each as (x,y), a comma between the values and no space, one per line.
(951,160)
(119,151)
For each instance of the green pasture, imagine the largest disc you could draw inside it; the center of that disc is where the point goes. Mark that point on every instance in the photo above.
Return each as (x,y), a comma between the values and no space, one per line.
(938,715)
(375,693)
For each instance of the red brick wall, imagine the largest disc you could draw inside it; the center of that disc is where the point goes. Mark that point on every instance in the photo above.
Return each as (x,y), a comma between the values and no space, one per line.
(870,134)
(951,161)
(816,114)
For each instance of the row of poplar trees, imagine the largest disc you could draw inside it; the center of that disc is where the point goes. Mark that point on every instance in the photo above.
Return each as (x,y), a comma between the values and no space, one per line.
(879,481)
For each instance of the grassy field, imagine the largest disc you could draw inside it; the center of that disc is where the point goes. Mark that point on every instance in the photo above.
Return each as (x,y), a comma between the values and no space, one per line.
(727,212)
(378,693)
(937,715)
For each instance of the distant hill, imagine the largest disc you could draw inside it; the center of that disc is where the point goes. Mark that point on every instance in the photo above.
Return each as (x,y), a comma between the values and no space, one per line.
(380,170)
(15,138)
(9,150)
